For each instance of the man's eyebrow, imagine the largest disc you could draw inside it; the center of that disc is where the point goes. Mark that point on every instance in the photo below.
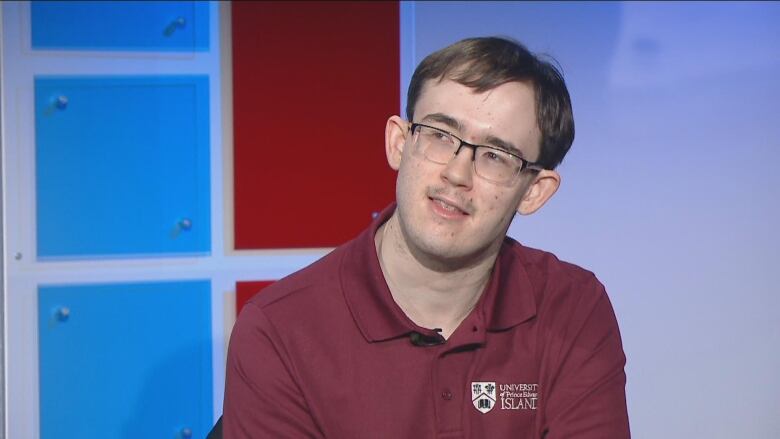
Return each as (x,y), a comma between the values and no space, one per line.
(444,119)
(455,124)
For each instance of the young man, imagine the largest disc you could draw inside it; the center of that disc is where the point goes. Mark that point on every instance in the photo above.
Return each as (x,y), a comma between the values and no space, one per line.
(432,323)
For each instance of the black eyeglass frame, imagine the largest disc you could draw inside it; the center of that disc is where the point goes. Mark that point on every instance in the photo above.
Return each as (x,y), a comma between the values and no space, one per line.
(524,164)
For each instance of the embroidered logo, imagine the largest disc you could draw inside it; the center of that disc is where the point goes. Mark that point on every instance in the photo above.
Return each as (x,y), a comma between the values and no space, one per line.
(510,396)
(483,395)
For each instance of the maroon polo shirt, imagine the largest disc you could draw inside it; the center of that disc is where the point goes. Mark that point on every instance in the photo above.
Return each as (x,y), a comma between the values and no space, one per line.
(327,353)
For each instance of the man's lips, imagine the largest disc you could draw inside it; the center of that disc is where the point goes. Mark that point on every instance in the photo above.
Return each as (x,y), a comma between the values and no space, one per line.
(448,206)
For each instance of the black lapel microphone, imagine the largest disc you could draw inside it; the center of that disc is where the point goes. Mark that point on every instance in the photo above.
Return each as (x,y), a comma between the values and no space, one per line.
(422,340)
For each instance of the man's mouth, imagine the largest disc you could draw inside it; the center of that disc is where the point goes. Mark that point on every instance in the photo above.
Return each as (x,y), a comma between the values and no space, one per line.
(448,207)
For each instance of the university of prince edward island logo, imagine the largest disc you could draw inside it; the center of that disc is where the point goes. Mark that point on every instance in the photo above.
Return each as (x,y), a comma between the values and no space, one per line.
(483,395)
(508,396)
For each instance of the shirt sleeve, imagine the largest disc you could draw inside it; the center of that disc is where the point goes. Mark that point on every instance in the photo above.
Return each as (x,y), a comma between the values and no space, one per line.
(262,398)
(586,383)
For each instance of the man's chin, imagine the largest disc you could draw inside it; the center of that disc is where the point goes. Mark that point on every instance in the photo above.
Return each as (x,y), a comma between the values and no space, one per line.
(446,255)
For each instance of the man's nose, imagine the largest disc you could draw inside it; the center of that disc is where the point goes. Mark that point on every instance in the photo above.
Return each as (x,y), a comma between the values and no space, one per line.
(460,169)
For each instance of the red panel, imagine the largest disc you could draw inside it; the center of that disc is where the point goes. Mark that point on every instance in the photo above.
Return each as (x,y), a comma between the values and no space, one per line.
(313,85)
(245,291)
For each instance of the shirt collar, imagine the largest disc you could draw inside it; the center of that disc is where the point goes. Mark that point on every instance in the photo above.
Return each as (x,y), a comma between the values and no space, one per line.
(507,301)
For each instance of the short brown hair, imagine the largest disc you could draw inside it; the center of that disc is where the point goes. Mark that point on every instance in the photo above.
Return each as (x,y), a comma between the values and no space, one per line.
(488,62)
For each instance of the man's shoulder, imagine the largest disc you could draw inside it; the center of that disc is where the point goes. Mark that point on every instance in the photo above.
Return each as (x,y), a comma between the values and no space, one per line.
(305,308)
(566,295)
(551,275)
(541,262)
(303,288)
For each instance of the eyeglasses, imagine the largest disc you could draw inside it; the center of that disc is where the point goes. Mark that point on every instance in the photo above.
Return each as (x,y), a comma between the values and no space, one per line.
(490,162)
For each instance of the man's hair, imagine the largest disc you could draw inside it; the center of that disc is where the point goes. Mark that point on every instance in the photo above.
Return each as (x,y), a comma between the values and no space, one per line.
(486,63)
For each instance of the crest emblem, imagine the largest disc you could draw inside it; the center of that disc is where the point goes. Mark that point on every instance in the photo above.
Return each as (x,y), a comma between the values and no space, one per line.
(483,395)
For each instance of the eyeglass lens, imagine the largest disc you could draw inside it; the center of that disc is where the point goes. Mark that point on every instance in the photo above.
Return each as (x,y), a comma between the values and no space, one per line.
(491,164)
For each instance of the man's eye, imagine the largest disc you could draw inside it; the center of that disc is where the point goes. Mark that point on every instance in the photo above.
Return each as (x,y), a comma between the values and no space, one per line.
(443,137)
(494,156)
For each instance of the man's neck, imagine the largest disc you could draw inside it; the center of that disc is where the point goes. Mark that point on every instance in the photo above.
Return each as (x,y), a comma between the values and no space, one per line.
(431,298)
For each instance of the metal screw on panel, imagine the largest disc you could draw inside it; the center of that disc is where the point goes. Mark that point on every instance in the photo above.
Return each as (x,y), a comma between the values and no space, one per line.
(185,224)
(186,433)
(178,23)
(63,313)
(61,102)
(18,256)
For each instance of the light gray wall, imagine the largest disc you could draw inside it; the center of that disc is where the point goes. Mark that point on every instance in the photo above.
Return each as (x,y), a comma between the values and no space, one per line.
(2,246)
(669,192)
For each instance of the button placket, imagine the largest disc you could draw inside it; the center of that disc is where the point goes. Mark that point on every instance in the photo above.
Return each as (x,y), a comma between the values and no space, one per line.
(445,399)
(451,369)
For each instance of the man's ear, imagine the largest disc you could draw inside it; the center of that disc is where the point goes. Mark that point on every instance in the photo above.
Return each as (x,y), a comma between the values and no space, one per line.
(395,139)
(543,187)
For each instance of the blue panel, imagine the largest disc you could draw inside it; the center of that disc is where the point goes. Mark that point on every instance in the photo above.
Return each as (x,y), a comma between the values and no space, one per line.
(120,25)
(125,360)
(122,166)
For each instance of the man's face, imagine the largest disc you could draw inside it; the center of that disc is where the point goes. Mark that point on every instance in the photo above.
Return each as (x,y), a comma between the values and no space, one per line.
(446,211)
